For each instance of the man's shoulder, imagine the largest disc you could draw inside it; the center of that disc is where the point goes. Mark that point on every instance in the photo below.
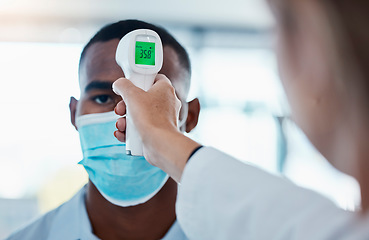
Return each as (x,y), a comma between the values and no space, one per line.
(57,218)
(38,229)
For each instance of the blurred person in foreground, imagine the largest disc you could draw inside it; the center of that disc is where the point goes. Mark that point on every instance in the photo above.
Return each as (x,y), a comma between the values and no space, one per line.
(323,54)
(126,197)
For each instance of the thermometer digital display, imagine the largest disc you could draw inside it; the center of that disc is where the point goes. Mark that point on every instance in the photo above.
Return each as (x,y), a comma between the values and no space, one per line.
(145,53)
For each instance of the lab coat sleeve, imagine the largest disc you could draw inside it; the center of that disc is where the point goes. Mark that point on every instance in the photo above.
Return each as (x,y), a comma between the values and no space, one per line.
(223,198)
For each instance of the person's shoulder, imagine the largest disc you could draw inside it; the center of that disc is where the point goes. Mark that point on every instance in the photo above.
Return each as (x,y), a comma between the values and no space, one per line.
(38,229)
(44,226)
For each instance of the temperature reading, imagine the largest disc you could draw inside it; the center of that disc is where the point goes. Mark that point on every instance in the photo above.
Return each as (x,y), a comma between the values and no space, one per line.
(145,53)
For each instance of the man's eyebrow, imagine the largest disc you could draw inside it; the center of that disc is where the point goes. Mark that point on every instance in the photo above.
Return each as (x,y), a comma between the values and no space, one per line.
(99,85)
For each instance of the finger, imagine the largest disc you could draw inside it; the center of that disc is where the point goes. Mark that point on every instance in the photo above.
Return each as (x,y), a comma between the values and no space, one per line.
(120,136)
(161,82)
(121,124)
(161,78)
(125,88)
(120,109)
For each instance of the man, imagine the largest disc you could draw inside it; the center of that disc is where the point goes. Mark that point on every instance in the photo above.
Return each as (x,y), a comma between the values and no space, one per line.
(89,214)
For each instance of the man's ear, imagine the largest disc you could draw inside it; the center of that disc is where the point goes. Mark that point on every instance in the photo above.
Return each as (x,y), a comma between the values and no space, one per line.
(73,108)
(193,114)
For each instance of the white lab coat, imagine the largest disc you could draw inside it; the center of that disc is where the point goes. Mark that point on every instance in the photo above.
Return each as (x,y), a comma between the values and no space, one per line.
(223,198)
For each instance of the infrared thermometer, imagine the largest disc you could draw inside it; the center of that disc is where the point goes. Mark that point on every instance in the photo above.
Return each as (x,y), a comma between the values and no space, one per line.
(140,55)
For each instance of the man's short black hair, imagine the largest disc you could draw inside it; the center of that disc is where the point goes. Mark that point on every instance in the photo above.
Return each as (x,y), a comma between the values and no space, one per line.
(120,29)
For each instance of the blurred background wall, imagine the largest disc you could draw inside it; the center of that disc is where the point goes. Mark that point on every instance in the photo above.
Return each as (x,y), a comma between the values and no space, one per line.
(235,76)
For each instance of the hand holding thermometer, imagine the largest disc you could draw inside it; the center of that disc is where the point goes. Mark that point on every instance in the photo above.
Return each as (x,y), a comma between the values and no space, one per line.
(140,55)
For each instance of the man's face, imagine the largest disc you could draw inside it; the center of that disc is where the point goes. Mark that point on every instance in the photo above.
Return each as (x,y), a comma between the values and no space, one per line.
(99,70)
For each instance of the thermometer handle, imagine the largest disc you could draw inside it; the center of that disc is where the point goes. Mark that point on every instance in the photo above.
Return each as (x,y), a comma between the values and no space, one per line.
(133,141)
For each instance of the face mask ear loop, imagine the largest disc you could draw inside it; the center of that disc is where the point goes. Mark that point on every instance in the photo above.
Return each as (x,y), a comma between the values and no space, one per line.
(184,119)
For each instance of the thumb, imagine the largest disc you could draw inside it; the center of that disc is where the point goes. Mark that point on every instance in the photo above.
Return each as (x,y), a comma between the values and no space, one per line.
(125,88)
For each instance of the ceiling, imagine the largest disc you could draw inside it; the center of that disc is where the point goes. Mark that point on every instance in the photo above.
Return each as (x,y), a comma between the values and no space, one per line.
(77,20)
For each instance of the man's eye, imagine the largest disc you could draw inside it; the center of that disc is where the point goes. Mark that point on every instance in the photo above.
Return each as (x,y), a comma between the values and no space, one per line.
(102,99)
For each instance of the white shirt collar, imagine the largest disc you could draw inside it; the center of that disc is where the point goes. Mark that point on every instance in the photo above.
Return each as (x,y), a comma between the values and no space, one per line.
(71,222)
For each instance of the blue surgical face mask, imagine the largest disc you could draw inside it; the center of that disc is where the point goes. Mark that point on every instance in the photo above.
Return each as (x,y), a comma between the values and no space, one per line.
(122,179)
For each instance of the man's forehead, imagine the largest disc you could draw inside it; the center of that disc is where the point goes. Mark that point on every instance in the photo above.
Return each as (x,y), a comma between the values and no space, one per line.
(173,69)
(99,63)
